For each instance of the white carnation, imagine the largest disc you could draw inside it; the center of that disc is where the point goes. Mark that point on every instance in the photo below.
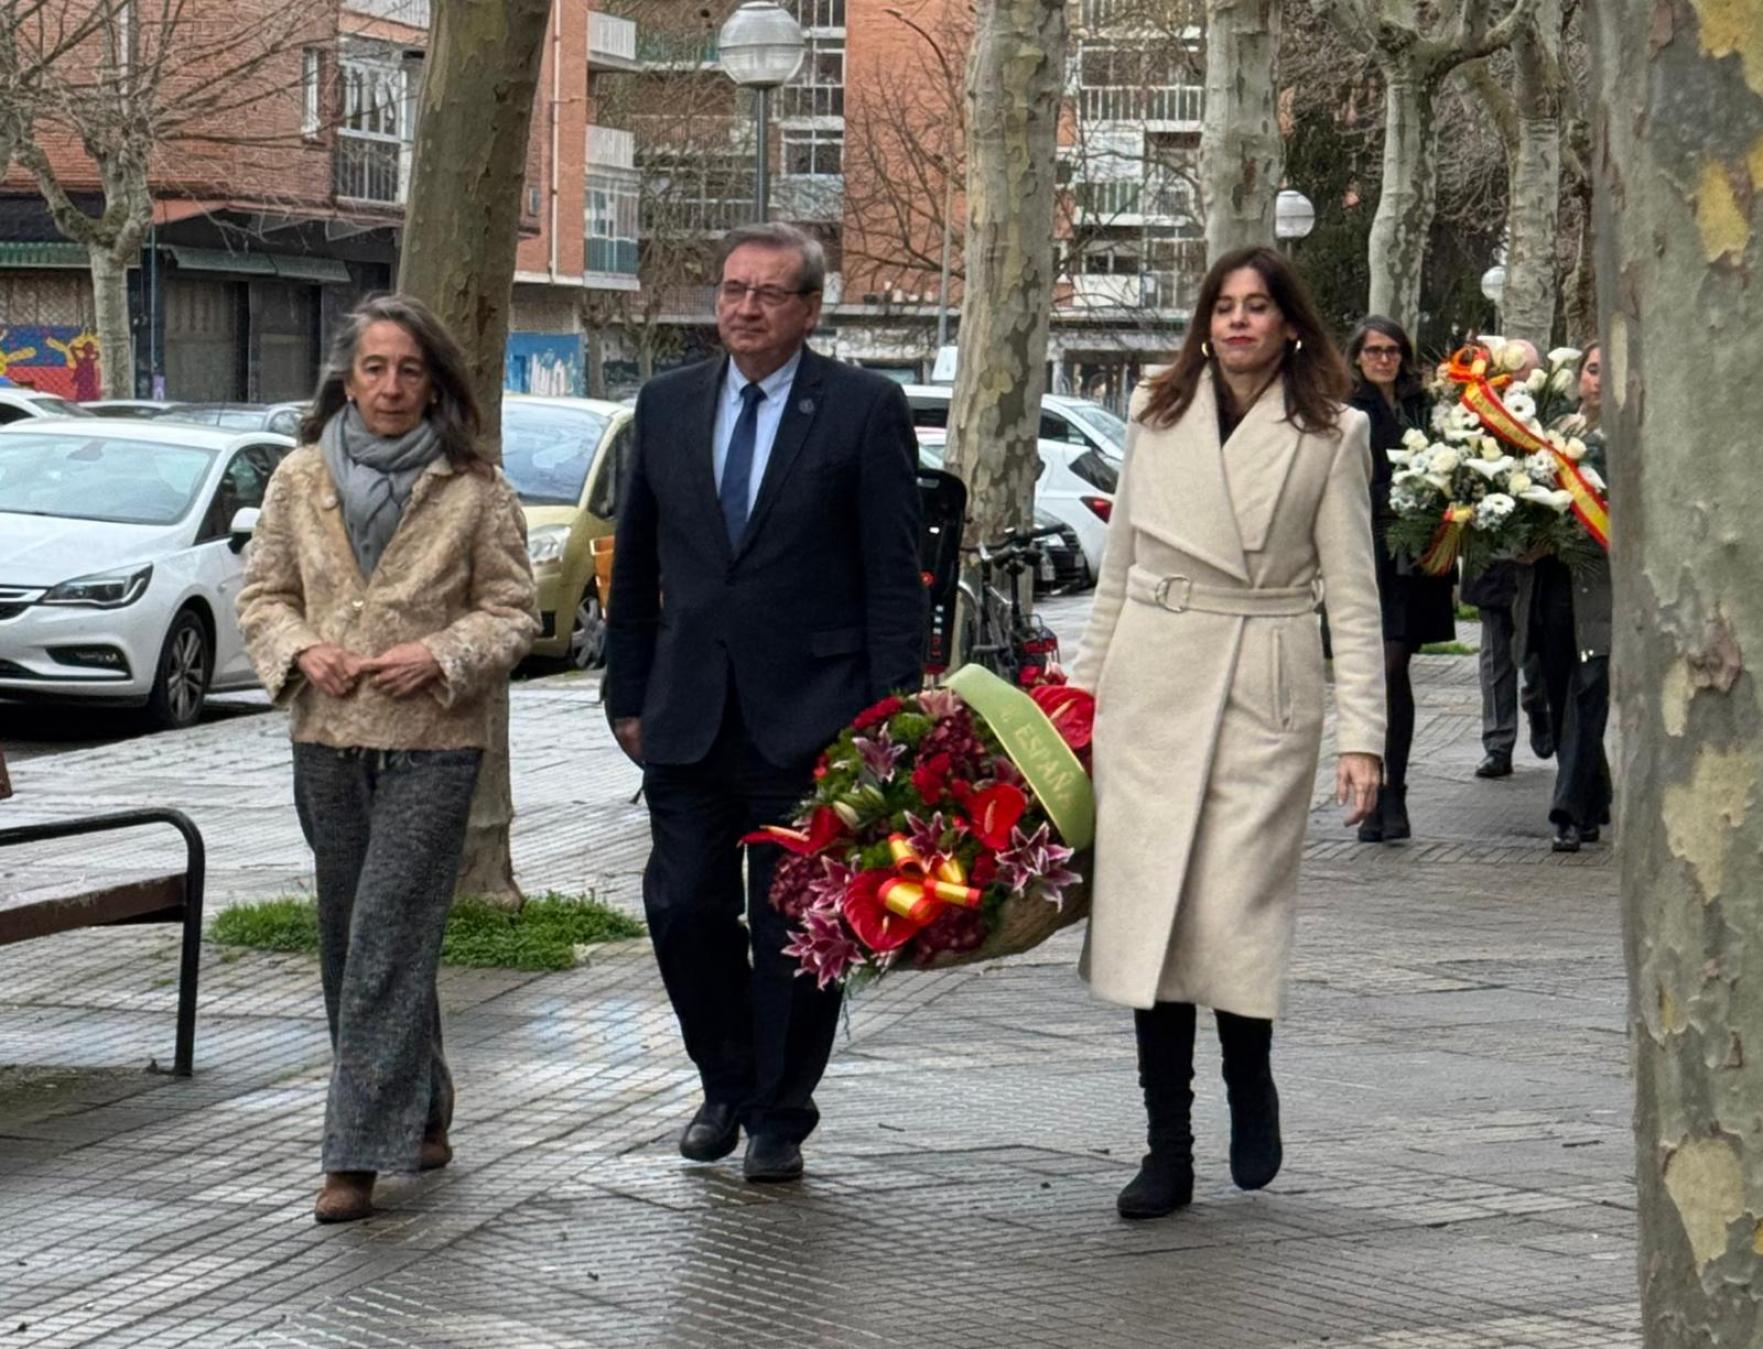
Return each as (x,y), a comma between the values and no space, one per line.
(1518,484)
(1540,468)
(1492,510)
(1520,404)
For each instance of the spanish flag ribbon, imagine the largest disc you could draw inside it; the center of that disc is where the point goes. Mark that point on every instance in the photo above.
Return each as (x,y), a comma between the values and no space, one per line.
(1469,369)
(915,890)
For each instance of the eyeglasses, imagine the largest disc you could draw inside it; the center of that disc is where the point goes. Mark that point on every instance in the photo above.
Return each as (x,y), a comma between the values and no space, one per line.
(736,292)
(1381,353)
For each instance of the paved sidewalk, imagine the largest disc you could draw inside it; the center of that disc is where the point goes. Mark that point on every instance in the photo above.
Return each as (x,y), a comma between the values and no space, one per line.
(1452,1065)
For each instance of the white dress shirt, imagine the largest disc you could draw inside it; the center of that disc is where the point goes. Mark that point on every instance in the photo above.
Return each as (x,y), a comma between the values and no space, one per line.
(776,387)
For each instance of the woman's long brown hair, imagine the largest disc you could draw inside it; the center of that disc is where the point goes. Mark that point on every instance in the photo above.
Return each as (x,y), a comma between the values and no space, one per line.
(1315,376)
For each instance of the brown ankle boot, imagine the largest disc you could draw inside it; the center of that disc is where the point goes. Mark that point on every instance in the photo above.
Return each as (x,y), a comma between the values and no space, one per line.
(347,1197)
(436,1151)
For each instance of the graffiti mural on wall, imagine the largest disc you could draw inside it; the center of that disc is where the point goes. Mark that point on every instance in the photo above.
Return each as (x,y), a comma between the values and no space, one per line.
(547,363)
(58,360)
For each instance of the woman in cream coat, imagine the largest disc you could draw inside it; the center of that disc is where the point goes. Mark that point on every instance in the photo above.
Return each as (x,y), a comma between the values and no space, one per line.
(1246,490)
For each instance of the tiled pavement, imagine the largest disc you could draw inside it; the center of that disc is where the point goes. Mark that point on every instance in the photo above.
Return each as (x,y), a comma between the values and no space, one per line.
(1452,1065)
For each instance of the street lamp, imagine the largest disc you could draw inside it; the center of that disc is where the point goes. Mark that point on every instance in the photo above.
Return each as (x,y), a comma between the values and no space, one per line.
(1293,217)
(760,47)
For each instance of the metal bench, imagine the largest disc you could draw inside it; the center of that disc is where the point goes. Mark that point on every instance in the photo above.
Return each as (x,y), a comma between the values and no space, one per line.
(158,899)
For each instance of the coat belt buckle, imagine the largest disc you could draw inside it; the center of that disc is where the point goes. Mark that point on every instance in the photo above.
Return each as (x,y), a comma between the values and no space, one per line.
(1161,594)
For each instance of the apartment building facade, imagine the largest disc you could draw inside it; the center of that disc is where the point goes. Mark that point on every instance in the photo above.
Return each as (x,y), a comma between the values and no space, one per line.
(866,152)
(268,229)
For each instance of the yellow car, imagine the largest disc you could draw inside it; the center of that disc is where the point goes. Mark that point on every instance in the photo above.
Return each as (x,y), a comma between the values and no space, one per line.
(566,458)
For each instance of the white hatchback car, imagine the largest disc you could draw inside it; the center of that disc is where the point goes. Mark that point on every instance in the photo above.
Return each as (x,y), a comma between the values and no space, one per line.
(18,404)
(1076,487)
(120,545)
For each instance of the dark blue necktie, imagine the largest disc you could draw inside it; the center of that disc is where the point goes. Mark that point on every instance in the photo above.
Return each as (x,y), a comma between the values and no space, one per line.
(737,467)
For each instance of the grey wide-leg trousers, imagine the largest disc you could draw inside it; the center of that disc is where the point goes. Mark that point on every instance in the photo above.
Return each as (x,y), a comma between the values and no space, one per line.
(386,828)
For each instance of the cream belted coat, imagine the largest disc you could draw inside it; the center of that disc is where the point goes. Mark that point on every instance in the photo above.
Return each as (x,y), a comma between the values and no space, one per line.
(1206,661)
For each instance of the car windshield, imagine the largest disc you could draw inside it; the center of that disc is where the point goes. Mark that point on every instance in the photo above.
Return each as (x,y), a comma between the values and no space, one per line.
(228,419)
(76,477)
(547,450)
(60,407)
(1101,421)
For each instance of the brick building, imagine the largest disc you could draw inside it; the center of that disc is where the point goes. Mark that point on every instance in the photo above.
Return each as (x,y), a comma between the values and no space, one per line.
(276,211)
(866,152)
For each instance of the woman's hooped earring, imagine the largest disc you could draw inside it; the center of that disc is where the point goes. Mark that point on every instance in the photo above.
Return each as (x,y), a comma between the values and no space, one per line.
(1298,346)
(1206,350)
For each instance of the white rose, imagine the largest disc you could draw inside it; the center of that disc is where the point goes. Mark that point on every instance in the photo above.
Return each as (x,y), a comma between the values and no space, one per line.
(1513,356)
(1445,460)
(1414,438)
(1517,484)
(1565,356)
(1574,449)
(1537,380)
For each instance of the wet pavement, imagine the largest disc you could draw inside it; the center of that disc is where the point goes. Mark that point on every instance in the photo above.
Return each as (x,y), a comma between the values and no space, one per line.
(1452,1066)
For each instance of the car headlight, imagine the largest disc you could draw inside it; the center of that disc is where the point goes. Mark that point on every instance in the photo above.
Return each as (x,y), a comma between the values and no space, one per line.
(102,590)
(546,543)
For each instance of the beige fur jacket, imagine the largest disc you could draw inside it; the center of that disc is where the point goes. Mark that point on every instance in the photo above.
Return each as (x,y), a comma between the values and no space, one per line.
(456,577)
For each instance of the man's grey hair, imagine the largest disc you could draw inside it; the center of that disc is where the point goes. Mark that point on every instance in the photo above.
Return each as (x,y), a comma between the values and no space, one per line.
(812,276)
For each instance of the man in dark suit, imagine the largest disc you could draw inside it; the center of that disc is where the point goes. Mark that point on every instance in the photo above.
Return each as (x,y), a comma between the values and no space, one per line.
(765,590)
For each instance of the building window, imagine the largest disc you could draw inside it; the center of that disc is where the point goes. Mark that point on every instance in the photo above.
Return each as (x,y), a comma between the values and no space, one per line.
(374,136)
(612,224)
(819,87)
(691,191)
(311,92)
(819,13)
(814,154)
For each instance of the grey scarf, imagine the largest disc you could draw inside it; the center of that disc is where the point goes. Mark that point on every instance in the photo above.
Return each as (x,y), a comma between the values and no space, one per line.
(374,477)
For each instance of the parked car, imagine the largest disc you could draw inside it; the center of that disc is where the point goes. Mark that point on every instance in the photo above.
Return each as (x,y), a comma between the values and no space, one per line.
(1064,568)
(1073,421)
(1076,487)
(130,407)
(565,459)
(119,560)
(18,404)
(282,418)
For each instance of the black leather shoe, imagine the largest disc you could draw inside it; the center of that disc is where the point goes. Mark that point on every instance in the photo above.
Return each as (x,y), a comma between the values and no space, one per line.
(1542,738)
(1165,1183)
(1567,839)
(771,1159)
(1495,766)
(712,1134)
(1590,834)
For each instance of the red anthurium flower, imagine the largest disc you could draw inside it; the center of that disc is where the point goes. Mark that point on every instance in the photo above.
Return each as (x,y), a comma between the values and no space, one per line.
(824,829)
(1071,710)
(869,716)
(877,926)
(931,777)
(995,812)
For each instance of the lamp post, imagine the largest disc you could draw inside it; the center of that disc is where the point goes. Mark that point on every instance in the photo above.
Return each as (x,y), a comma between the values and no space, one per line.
(760,47)
(1493,287)
(1293,218)
(948,183)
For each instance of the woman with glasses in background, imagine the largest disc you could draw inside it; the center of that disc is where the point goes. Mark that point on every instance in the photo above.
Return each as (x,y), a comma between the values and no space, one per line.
(1417,608)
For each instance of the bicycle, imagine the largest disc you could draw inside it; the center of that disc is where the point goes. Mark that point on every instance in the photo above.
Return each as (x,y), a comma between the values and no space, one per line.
(996,631)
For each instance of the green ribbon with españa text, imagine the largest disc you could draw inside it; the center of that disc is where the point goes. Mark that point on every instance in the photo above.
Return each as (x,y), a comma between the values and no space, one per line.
(1046,762)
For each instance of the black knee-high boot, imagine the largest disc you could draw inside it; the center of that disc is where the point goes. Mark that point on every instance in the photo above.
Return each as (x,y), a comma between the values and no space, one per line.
(1165,1181)
(1255,1148)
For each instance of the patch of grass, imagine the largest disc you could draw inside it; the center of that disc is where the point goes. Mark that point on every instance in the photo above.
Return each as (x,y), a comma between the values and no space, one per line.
(1468,613)
(1448,649)
(541,935)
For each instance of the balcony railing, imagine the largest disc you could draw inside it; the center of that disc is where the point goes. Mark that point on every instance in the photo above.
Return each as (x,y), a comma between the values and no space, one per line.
(369,168)
(412,12)
(1172,104)
(609,148)
(675,51)
(612,42)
